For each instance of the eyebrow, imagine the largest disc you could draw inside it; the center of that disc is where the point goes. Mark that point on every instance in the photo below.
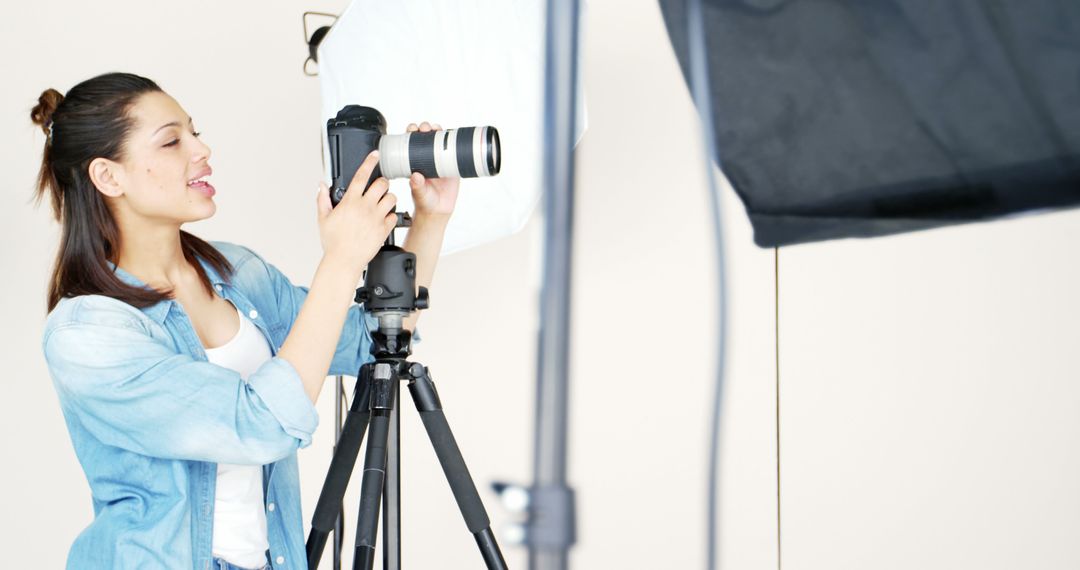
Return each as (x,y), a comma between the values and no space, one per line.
(172,124)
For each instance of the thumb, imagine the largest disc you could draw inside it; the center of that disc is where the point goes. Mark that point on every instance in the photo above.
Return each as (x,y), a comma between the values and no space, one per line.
(416,181)
(322,201)
(420,190)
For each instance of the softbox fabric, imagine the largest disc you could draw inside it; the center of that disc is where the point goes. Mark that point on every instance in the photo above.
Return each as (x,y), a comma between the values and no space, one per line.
(856,119)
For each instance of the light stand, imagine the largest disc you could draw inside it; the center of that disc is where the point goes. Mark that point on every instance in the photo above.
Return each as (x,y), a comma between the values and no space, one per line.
(550,530)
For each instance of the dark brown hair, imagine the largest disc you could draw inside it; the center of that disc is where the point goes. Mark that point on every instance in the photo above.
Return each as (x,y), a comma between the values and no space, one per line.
(94,121)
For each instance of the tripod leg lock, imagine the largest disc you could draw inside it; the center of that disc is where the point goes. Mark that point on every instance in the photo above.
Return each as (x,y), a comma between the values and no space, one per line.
(382,387)
(423,389)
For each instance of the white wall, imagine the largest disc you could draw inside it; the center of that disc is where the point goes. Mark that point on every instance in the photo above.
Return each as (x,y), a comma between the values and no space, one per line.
(930,399)
(928,409)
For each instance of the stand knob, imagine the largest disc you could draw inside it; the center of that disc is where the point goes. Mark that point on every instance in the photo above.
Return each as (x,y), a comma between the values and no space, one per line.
(421,299)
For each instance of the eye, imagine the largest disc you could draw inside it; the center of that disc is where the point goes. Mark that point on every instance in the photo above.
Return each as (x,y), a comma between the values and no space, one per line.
(174,142)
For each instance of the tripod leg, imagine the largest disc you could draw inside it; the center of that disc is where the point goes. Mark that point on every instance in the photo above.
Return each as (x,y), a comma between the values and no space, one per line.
(371,486)
(453,464)
(339,524)
(341,466)
(392,491)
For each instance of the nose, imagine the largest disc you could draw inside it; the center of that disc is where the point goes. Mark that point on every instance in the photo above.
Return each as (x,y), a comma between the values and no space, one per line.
(202,151)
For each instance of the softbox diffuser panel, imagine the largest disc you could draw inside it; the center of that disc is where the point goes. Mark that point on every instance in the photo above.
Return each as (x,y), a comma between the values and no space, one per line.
(856,119)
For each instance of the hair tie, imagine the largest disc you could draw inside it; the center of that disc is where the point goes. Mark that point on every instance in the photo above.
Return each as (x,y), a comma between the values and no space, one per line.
(50,127)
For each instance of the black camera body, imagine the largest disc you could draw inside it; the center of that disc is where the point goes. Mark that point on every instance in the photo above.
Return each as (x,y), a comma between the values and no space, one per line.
(352,135)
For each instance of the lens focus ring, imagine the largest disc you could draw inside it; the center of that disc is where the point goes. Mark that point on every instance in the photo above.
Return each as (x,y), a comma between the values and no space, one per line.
(422,154)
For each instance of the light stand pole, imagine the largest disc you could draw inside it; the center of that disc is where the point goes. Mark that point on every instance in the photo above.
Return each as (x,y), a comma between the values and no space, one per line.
(550,529)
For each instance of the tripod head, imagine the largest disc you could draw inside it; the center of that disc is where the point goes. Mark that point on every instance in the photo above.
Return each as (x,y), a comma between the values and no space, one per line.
(390,294)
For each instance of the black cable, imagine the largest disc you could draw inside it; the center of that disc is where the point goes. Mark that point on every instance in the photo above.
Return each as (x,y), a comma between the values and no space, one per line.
(699,88)
(776,332)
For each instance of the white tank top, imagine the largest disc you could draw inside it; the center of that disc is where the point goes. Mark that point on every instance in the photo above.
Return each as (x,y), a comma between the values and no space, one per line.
(239,518)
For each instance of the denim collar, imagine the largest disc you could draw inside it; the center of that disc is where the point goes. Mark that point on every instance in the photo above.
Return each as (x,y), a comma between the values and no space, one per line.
(160,310)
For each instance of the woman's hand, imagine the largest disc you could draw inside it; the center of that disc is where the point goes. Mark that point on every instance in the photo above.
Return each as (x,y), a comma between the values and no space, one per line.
(353,232)
(434,197)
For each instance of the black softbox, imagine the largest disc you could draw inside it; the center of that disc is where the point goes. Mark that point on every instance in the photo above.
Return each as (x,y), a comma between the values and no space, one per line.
(862,118)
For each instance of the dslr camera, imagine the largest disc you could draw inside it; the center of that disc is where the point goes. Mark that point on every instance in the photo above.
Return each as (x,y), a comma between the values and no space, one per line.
(467,152)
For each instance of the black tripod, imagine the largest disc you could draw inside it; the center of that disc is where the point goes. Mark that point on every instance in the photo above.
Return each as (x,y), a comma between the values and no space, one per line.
(389,294)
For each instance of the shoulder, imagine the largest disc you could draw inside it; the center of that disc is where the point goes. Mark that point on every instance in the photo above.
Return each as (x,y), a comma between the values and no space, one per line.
(93,309)
(248,266)
(251,273)
(237,255)
(93,312)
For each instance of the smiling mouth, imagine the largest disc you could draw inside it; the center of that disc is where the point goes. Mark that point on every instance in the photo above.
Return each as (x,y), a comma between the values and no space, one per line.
(202,186)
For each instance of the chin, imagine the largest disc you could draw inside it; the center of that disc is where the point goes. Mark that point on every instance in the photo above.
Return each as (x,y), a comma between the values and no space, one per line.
(202,213)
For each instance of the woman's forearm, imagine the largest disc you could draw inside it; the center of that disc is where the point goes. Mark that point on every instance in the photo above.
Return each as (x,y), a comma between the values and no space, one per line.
(314,336)
(425,240)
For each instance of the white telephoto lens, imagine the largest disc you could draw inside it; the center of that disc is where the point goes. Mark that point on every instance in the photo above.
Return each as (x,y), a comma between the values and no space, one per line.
(468,152)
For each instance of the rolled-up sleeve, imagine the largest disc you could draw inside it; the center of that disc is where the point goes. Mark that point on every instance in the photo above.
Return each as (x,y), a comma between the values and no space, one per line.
(131,390)
(354,345)
(279,386)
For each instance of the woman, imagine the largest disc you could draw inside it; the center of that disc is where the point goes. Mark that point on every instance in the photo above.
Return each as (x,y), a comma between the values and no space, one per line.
(187,371)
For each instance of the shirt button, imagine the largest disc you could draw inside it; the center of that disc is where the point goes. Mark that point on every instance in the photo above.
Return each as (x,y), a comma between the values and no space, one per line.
(271,507)
(280,560)
(218,287)
(253,314)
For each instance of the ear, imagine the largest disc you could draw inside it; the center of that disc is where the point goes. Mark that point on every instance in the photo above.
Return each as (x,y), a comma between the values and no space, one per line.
(107,177)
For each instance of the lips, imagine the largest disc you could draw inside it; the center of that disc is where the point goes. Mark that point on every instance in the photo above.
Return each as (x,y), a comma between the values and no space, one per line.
(200,185)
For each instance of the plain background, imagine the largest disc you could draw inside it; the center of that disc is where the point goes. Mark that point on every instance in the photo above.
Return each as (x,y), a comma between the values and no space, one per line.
(926,413)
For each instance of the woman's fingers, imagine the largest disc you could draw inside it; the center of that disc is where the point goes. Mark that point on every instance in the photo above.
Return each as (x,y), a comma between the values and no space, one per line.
(387,201)
(363,174)
(390,222)
(423,127)
(322,201)
(378,189)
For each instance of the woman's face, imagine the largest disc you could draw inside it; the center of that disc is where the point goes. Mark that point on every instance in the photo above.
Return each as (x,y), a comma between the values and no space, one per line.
(165,166)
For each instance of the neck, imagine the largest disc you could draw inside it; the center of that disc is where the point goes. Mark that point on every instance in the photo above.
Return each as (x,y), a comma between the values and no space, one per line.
(154,255)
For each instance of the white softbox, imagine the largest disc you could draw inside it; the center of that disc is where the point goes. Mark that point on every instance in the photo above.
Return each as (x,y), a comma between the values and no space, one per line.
(458,63)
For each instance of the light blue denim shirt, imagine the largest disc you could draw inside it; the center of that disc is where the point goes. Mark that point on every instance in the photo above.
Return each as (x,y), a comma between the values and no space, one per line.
(150,418)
